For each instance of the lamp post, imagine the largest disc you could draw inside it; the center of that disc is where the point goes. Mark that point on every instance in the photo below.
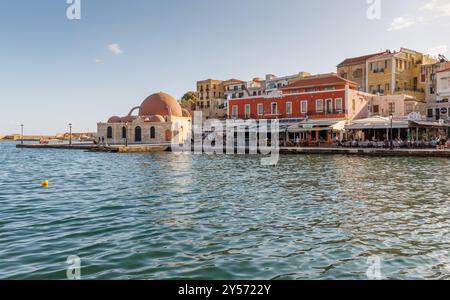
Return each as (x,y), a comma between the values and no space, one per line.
(70,133)
(21,134)
(391,118)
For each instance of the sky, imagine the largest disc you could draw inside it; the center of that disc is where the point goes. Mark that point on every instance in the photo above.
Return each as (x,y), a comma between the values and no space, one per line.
(55,70)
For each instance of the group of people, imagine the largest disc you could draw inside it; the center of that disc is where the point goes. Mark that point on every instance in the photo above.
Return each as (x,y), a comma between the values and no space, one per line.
(439,143)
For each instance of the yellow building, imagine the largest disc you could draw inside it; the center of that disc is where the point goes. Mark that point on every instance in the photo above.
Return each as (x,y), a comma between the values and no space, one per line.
(355,69)
(397,73)
(207,91)
(211,97)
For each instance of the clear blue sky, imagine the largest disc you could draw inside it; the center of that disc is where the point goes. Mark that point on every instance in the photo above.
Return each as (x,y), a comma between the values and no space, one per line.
(54,71)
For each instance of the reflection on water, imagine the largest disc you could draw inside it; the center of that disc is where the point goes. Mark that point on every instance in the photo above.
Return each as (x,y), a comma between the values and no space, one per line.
(165,216)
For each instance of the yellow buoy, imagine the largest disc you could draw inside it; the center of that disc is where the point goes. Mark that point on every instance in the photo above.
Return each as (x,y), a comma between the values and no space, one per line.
(44,183)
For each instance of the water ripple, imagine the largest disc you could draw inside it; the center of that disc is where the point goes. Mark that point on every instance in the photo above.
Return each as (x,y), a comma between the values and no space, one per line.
(170,216)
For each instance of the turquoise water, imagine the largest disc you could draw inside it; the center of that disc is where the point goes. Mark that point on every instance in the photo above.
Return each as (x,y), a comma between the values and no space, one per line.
(171,216)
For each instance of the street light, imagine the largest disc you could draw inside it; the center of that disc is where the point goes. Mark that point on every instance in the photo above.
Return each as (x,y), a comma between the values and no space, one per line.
(21,134)
(391,118)
(70,133)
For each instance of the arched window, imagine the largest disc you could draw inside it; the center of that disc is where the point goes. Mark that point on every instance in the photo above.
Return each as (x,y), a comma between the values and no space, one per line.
(124,132)
(138,134)
(168,135)
(109,133)
(153,133)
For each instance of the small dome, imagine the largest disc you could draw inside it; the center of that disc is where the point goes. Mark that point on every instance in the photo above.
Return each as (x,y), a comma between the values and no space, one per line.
(115,119)
(128,119)
(186,113)
(156,119)
(160,104)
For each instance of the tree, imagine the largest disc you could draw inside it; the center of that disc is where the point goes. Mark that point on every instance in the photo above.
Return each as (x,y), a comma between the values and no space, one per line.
(189,98)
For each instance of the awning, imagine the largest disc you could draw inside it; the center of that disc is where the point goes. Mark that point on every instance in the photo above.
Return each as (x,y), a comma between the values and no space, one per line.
(429,124)
(297,130)
(369,126)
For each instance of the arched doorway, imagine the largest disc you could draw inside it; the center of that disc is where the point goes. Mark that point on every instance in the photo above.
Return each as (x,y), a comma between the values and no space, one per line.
(109,133)
(138,134)
(168,135)
(152,133)
(124,132)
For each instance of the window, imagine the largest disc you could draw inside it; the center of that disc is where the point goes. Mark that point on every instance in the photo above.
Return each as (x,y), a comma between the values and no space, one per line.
(241,95)
(388,87)
(260,109)
(409,108)
(138,134)
(430,113)
(235,111)
(109,133)
(274,109)
(319,105)
(124,132)
(379,89)
(304,107)
(371,67)
(152,133)
(372,89)
(386,64)
(338,104)
(329,106)
(289,108)
(376,109)
(247,110)
(392,108)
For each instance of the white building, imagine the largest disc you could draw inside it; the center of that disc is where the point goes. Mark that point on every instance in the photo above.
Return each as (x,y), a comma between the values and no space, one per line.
(160,120)
(442,106)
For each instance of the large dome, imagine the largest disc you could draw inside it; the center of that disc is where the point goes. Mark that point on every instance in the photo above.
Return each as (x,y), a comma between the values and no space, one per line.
(160,104)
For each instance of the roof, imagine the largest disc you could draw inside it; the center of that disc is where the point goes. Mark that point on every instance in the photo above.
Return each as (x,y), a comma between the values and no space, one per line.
(318,81)
(376,123)
(444,70)
(232,81)
(358,60)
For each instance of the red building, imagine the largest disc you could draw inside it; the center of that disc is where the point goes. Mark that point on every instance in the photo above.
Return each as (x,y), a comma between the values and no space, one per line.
(315,97)
(315,102)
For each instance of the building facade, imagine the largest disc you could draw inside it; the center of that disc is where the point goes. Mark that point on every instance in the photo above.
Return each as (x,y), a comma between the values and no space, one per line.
(429,79)
(355,69)
(274,84)
(397,73)
(315,108)
(399,106)
(239,89)
(441,107)
(160,120)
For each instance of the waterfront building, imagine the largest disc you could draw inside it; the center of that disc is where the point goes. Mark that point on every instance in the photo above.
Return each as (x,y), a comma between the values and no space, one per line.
(397,73)
(355,69)
(314,106)
(442,105)
(240,89)
(381,129)
(399,106)
(212,97)
(274,84)
(160,120)
(429,79)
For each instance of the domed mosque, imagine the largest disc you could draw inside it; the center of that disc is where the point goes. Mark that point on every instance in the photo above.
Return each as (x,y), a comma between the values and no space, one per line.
(160,120)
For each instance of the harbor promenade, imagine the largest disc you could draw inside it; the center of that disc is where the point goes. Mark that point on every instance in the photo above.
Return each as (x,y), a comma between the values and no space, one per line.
(283,150)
